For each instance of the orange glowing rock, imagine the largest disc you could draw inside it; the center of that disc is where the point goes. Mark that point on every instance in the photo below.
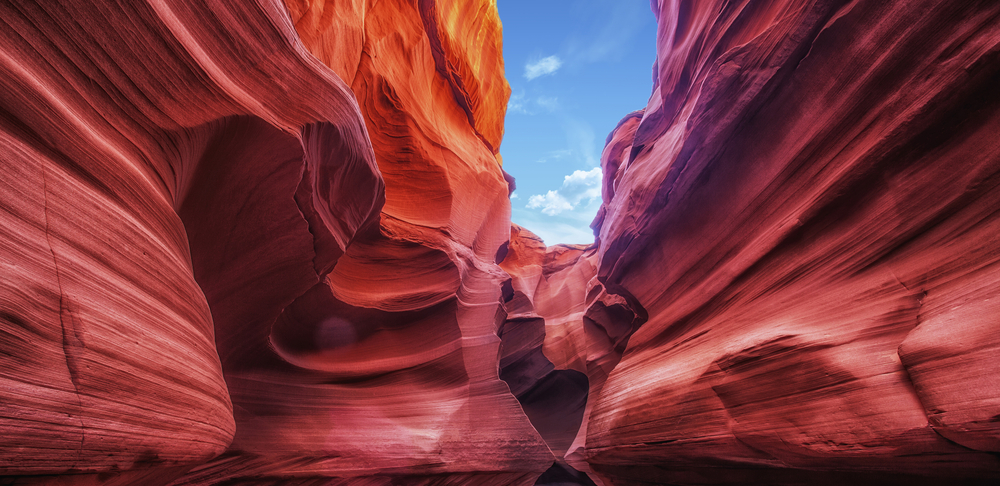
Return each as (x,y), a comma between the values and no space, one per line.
(388,367)
(271,244)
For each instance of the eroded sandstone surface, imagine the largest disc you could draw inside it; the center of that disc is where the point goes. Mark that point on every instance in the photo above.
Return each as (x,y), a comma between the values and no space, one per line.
(807,216)
(157,201)
(388,366)
(267,243)
(217,247)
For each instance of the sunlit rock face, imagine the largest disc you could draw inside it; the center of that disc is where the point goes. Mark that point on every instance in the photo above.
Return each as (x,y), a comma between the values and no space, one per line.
(205,254)
(388,367)
(807,214)
(266,243)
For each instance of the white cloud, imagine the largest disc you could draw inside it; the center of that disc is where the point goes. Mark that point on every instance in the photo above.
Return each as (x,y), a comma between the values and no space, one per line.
(589,179)
(542,67)
(556,229)
(513,196)
(552,203)
(516,104)
(554,233)
(577,187)
(548,103)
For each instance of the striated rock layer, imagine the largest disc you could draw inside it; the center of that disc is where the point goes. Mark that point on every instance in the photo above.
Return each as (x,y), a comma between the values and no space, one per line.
(215,244)
(271,244)
(388,366)
(148,190)
(806,212)
(544,350)
(563,335)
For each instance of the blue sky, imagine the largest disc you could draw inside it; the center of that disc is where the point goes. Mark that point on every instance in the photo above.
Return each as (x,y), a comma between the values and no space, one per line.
(575,68)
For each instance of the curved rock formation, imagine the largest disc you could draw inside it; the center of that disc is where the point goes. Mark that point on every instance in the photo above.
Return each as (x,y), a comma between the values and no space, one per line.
(563,335)
(388,367)
(270,244)
(805,214)
(543,354)
(145,180)
(199,177)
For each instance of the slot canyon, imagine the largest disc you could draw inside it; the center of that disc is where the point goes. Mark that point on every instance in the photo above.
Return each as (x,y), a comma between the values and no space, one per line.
(269,242)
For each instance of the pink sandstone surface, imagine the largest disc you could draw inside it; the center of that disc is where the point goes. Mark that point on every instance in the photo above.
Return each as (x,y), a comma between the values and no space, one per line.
(149,193)
(388,366)
(807,217)
(265,243)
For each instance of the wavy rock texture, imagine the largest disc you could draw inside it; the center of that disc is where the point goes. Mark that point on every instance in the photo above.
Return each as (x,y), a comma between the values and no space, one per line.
(807,213)
(543,355)
(388,367)
(563,335)
(191,196)
(270,244)
(146,181)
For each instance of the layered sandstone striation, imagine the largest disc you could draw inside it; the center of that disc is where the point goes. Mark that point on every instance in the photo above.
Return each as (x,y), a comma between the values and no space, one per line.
(806,213)
(564,333)
(218,245)
(271,244)
(388,366)
(156,201)
(544,349)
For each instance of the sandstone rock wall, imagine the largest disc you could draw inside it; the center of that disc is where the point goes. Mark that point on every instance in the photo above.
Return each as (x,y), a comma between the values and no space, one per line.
(807,215)
(257,243)
(388,367)
(149,187)
(215,244)
(544,350)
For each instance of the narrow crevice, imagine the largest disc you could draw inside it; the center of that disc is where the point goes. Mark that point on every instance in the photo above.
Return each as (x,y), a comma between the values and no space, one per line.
(70,367)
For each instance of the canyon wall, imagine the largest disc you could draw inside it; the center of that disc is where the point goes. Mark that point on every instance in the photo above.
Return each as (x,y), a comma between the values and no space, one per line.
(806,216)
(157,202)
(388,367)
(216,246)
(270,243)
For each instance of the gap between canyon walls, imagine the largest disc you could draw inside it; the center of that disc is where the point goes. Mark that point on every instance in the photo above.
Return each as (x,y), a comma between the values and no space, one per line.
(269,182)
(399,342)
(222,264)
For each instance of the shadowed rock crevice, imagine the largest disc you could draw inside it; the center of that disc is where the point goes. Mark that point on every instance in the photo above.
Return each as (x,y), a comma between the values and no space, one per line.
(562,474)
(554,400)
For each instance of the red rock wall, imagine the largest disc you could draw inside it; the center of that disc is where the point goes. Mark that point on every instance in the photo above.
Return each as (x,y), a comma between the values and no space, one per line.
(395,353)
(544,350)
(563,335)
(193,198)
(224,261)
(388,367)
(807,215)
(144,177)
